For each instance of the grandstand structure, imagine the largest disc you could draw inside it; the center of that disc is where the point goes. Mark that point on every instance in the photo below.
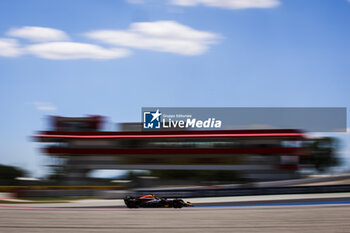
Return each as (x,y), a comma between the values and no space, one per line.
(82,145)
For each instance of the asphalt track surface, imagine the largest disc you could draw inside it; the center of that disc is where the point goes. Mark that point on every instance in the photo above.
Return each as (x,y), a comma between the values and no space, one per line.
(303,214)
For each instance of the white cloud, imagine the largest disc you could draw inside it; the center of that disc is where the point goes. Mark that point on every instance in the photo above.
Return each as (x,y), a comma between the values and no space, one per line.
(164,36)
(9,48)
(73,50)
(38,34)
(44,106)
(229,4)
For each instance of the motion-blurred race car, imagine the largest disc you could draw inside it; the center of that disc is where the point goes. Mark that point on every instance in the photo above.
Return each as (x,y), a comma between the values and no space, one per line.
(151,201)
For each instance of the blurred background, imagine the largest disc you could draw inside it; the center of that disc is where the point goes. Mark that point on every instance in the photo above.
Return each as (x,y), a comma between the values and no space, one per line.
(85,160)
(74,76)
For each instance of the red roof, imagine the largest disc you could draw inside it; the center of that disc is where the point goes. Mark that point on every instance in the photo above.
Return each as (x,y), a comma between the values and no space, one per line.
(171,134)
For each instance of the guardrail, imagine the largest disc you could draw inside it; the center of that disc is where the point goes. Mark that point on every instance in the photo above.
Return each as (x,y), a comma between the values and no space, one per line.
(192,193)
(52,187)
(119,192)
(57,191)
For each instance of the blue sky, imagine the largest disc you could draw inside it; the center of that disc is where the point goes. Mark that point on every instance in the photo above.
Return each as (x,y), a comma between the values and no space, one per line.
(110,58)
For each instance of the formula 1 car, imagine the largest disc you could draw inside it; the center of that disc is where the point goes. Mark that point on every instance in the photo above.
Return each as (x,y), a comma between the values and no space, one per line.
(151,201)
